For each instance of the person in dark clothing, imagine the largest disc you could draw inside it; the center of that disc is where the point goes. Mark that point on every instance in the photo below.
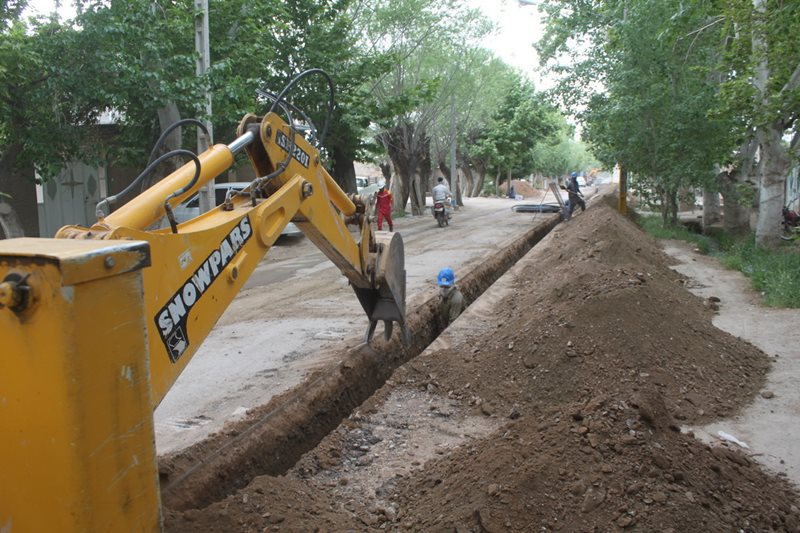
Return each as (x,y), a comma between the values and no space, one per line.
(575,196)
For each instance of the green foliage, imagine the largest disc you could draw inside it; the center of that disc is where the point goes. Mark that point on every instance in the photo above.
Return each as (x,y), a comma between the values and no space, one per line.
(655,227)
(407,64)
(772,272)
(521,121)
(654,114)
(561,153)
(676,88)
(760,44)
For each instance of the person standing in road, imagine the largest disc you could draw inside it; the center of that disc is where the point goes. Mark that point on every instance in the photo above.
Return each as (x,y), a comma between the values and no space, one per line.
(451,301)
(384,202)
(575,196)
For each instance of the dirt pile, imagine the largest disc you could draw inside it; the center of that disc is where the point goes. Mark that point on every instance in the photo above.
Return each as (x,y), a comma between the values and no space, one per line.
(558,406)
(522,188)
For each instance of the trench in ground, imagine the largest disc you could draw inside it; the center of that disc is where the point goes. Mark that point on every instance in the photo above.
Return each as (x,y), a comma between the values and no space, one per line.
(274,437)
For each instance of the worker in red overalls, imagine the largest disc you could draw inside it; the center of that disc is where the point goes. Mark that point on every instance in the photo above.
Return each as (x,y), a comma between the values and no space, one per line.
(384,201)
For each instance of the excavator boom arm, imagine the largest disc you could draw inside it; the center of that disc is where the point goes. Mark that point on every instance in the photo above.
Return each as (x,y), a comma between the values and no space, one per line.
(198,271)
(100,322)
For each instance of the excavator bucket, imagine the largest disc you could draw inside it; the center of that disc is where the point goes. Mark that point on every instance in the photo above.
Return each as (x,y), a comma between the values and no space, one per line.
(386,299)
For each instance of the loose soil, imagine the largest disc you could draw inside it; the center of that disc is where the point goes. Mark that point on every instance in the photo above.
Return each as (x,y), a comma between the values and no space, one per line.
(555,402)
(769,425)
(521,188)
(297,314)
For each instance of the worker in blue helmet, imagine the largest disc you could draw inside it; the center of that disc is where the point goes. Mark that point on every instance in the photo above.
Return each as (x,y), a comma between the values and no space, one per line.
(451,301)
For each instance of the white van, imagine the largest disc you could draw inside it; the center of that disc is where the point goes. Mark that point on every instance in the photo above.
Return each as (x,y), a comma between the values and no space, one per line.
(190,208)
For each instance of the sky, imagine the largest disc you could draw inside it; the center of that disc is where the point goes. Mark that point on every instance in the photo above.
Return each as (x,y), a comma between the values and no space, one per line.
(518,28)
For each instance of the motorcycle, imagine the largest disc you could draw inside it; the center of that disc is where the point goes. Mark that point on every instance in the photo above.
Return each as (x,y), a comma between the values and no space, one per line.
(440,213)
(791,225)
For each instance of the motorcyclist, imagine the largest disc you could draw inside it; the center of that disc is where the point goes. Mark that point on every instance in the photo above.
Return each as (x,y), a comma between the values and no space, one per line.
(451,301)
(441,193)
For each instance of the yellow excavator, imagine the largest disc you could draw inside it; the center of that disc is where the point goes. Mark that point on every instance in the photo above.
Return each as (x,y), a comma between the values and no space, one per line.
(97,324)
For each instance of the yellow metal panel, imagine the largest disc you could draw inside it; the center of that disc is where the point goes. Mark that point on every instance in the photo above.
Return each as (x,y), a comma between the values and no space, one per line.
(197,272)
(276,137)
(77,452)
(80,260)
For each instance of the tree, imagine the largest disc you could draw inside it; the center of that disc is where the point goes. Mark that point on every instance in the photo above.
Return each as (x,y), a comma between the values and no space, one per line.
(654,114)
(522,120)
(561,154)
(292,37)
(763,87)
(137,58)
(427,37)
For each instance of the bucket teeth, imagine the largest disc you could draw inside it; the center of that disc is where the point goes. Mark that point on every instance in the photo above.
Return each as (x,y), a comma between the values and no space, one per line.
(386,299)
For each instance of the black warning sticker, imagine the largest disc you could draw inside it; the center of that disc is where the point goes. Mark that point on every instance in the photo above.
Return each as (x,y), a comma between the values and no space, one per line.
(283,141)
(171,319)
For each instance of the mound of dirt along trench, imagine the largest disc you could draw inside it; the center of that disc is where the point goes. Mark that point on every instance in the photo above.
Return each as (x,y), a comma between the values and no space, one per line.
(554,403)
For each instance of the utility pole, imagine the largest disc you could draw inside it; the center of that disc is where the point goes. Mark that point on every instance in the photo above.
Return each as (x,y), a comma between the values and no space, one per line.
(201,43)
(623,189)
(453,162)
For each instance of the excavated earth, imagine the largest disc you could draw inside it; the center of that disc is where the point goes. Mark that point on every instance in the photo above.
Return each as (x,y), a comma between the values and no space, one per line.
(554,403)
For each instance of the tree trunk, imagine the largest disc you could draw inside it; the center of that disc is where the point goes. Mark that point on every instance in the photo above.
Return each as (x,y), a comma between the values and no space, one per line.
(459,201)
(774,159)
(403,183)
(417,196)
(711,207)
(386,171)
(445,170)
(735,216)
(12,182)
(773,167)
(10,226)
(673,207)
(469,180)
(167,116)
(407,148)
(669,206)
(344,171)
(476,191)
(735,213)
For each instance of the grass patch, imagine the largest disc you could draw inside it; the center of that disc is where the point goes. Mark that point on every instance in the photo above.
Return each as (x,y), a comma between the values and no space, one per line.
(652,225)
(774,273)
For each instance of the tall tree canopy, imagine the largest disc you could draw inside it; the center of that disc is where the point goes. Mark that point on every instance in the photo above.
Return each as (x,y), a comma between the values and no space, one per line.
(682,90)
(407,72)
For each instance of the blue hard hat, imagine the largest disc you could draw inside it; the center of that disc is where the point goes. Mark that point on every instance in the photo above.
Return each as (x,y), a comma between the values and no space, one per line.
(446,277)
(574,174)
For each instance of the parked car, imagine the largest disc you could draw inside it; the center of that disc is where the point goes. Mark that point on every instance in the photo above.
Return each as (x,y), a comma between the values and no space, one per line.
(190,208)
(361,183)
